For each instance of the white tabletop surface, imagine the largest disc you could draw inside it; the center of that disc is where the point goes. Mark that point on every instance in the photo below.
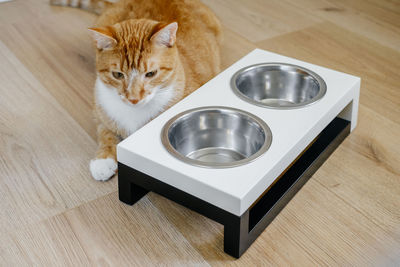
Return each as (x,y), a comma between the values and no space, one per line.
(235,189)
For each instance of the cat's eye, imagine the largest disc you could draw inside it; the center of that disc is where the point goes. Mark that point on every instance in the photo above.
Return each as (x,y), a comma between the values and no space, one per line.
(151,74)
(118,75)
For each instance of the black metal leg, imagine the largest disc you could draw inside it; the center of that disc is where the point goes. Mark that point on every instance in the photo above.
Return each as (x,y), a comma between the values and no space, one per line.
(128,192)
(236,235)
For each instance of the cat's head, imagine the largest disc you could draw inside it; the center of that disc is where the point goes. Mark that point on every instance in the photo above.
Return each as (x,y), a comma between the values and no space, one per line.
(136,57)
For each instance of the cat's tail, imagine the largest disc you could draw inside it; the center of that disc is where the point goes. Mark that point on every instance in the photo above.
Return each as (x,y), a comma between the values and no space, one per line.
(94,6)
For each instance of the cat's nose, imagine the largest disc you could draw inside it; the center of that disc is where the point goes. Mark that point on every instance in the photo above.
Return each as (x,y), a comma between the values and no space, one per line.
(133,101)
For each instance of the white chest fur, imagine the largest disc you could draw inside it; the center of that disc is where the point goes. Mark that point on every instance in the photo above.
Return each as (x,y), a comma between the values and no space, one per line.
(132,117)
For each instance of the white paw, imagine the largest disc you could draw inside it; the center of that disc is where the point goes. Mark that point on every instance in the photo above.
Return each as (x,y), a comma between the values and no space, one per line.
(103,169)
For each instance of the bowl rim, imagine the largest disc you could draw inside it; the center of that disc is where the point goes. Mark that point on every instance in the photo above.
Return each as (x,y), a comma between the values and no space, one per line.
(318,78)
(215,165)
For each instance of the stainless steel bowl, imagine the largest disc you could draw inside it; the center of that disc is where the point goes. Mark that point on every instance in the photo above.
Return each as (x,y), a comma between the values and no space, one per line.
(216,137)
(278,85)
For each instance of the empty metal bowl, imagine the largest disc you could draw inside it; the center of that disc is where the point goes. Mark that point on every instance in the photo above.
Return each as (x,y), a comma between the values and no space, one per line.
(216,137)
(278,85)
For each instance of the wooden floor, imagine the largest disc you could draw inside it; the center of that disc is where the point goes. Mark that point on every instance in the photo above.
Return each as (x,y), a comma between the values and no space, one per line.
(53,213)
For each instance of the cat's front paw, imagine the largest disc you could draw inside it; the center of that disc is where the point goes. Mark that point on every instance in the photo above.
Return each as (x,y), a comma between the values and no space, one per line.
(103,169)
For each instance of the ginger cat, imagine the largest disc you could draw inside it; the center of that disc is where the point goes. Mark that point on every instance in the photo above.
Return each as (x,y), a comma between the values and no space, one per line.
(149,55)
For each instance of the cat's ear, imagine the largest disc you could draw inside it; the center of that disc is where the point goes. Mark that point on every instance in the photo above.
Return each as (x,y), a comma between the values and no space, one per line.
(165,35)
(103,37)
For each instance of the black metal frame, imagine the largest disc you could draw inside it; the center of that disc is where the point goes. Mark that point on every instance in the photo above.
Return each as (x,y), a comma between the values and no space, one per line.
(241,231)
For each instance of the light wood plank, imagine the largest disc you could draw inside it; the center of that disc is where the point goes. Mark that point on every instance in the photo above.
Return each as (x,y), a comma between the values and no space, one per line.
(103,232)
(44,154)
(257,20)
(316,228)
(365,171)
(119,234)
(11,12)
(234,47)
(333,232)
(334,47)
(375,19)
(51,242)
(60,55)
(272,247)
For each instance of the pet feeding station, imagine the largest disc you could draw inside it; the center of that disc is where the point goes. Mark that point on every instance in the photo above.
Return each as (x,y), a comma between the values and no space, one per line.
(239,148)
